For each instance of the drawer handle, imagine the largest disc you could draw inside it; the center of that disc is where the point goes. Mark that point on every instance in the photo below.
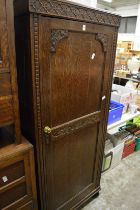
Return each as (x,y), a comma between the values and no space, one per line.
(5,179)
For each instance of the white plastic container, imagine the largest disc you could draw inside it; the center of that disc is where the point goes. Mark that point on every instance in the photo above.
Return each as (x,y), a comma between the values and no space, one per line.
(117,154)
(123,95)
(133,65)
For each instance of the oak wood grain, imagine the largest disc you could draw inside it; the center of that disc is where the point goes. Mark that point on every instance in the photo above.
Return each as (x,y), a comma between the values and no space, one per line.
(9,109)
(17,165)
(65,83)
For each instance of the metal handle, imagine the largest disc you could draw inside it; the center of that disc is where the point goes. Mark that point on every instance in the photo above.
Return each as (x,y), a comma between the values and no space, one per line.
(47,130)
(105,156)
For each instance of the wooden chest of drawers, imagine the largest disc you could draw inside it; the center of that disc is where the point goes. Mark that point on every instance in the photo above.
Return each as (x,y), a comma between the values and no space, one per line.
(9,111)
(17,172)
(17,178)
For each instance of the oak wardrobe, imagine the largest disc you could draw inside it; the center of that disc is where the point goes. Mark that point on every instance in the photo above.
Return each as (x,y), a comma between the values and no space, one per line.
(65,61)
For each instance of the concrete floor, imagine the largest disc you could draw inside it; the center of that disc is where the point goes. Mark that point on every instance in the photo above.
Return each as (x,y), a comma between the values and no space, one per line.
(120,187)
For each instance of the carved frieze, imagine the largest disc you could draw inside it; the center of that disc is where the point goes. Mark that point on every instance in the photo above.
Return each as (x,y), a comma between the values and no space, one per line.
(75,125)
(73,11)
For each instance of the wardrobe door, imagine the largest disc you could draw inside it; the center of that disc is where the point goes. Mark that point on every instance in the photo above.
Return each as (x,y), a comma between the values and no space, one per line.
(72,73)
(3,37)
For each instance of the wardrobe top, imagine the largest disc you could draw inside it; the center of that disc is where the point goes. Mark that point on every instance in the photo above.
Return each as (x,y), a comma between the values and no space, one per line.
(67,10)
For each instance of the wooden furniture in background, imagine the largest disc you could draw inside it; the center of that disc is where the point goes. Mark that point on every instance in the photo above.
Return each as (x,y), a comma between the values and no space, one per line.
(9,110)
(65,61)
(17,172)
(17,178)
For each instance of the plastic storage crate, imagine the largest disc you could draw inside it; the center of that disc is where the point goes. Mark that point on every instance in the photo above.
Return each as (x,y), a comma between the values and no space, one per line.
(107,160)
(128,149)
(137,147)
(115,112)
(117,154)
(115,157)
(123,95)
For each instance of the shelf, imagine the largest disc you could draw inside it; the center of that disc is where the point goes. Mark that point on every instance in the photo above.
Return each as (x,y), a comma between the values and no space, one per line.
(134,50)
(125,117)
(128,78)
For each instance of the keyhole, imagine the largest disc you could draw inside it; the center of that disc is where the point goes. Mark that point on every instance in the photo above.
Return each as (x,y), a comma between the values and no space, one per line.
(103,98)
(93,56)
(84,28)
(5,179)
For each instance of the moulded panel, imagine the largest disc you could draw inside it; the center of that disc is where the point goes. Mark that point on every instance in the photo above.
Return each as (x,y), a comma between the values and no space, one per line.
(76,77)
(6,111)
(5,84)
(73,159)
(3,36)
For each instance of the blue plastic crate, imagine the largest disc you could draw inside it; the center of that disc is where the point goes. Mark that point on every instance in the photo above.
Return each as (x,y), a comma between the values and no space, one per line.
(115,112)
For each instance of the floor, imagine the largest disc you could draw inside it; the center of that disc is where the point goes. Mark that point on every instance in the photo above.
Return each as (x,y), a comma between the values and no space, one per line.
(120,187)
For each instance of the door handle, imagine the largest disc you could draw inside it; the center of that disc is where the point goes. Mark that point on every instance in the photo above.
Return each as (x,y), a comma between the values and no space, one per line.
(47,130)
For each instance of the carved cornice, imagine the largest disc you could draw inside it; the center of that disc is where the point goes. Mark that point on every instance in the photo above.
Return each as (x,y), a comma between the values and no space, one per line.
(75,125)
(56,36)
(103,39)
(68,10)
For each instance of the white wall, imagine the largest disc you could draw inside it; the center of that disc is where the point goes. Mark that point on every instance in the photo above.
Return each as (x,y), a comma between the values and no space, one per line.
(126,37)
(101,6)
(89,3)
(138,22)
(127,11)
(131,11)
(137,34)
(122,11)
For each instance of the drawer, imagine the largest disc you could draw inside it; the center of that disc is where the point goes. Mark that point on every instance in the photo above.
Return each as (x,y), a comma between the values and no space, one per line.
(3,36)
(12,195)
(11,173)
(28,206)
(17,177)
(6,111)
(5,84)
